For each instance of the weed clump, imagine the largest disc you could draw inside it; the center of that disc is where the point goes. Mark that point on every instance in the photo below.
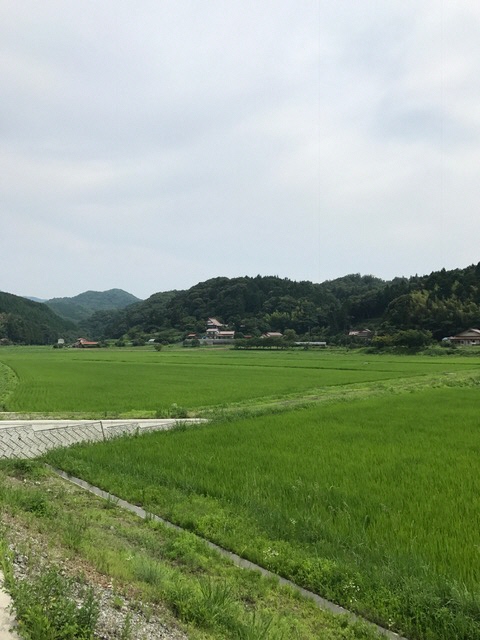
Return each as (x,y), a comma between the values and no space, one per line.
(51,606)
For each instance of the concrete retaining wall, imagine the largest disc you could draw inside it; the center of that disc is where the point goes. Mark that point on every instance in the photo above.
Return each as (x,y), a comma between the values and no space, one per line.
(29,439)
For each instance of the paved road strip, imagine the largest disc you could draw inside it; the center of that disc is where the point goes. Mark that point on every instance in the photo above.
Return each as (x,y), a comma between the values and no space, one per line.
(7,621)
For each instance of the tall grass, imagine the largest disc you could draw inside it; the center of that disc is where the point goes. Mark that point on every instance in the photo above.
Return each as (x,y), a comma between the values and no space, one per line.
(375,503)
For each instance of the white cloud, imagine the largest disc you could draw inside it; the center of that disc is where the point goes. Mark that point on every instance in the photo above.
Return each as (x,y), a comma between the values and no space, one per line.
(151,145)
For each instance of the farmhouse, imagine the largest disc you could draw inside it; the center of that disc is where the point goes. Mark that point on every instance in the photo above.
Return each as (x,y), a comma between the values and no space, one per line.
(214,328)
(468,337)
(362,334)
(216,333)
(226,335)
(213,323)
(83,343)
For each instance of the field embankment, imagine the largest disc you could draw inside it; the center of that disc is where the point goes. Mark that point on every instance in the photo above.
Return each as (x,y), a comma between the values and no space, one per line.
(80,567)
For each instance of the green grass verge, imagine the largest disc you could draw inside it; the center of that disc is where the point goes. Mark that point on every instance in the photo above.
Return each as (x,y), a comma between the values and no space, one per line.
(146,563)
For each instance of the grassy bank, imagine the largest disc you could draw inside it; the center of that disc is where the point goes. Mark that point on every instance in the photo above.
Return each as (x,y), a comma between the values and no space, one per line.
(78,551)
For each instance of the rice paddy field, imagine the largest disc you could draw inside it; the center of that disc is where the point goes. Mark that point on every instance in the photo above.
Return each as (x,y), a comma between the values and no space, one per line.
(371,499)
(116,382)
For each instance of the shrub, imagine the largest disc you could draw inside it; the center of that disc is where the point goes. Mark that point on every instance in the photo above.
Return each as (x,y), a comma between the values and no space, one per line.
(47,609)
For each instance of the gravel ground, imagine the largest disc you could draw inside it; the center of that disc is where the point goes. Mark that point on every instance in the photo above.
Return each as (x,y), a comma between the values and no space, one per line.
(118,611)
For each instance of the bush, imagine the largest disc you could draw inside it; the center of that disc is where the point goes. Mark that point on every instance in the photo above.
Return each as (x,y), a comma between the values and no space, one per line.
(195,342)
(411,339)
(47,609)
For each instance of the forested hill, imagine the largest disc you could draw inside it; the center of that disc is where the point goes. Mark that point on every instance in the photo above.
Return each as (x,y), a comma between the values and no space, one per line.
(79,307)
(444,302)
(253,305)
(27,322)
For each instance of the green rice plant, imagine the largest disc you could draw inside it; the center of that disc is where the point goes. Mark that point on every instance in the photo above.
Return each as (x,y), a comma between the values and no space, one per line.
(135,383)
(8,382)
(167,568)
(373,503)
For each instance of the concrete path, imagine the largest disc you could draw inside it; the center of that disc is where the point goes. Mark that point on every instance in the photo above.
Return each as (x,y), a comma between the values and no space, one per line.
(31,438)
(7,621)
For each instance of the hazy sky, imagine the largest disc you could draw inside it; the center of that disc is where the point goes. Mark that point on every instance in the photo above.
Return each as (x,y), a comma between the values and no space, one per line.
(151,144)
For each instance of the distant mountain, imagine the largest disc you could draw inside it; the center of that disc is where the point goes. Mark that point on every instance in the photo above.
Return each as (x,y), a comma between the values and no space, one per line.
(24,321)
(35,299)
(150,314)
(442,303)
(80,307)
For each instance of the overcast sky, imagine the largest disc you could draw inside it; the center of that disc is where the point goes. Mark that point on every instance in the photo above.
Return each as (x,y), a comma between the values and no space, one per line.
(152,144)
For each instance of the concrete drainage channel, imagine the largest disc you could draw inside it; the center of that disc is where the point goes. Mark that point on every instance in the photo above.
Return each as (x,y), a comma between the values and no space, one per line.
(236,559)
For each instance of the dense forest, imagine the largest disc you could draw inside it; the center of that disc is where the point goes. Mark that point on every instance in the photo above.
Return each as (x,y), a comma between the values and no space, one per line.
(439,305)
(442,303)
(24,321)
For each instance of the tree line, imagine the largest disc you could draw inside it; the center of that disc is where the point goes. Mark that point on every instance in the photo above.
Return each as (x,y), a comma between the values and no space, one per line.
(440,304)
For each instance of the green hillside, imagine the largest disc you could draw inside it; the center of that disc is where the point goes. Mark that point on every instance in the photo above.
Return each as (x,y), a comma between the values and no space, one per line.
(24,321)
(437,305)
(146,316)
(441,304)
(80,307)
